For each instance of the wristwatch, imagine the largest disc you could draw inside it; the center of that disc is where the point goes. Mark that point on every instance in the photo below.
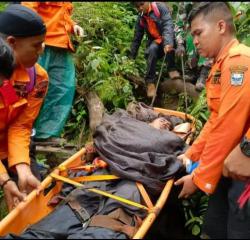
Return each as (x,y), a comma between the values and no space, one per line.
(245,146)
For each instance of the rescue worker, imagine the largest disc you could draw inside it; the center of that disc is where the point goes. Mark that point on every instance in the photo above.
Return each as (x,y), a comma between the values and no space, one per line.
(22,94)
(155,19)
(58,62)
(228,89)
(196,67)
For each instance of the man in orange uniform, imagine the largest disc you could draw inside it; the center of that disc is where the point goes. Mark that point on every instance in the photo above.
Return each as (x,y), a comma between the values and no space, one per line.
(21,97)
(228,90)
(58,62)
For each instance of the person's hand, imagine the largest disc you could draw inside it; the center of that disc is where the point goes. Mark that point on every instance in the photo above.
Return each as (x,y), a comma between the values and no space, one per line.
(180,51)
(27,182)
(184,159)
(168,48)
(78,31)
(237,165)
(192,63)
(12,195)
(188,188)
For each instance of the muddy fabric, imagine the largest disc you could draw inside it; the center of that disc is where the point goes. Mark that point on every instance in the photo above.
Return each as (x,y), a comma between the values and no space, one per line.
(136,151)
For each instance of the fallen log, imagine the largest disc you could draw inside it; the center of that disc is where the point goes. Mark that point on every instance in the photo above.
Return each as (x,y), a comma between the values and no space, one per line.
(135,80)
(49,149)
(178,87)
(95,107)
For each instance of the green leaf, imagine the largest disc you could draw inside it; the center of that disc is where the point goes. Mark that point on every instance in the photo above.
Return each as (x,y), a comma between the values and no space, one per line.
(247,41)
(95,64)
(196,230)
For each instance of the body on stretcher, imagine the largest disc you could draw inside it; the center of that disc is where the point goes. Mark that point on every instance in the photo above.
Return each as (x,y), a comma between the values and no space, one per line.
(37,207)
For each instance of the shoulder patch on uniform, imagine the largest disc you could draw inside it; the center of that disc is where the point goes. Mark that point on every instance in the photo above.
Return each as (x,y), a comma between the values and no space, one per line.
(237,74)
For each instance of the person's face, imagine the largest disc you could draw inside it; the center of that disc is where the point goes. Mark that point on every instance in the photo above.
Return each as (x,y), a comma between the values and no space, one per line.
(28,49)
(143,7)
(206,36)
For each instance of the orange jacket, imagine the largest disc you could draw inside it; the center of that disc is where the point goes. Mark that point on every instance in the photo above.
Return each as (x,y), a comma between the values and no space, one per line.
(16,120)
(152,28)
(228,91)
(57,17)
(248,134)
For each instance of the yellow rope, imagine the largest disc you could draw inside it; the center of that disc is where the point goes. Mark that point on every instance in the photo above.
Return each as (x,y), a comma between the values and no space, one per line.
(94,178)
(106,194)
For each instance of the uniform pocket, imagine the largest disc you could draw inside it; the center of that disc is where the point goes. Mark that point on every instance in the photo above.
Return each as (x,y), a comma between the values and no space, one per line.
(214,91)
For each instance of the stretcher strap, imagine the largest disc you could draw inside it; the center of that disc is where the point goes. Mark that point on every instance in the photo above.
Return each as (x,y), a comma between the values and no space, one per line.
(145,196)
(87,168)
(101,192)
(118,221)
(94,178)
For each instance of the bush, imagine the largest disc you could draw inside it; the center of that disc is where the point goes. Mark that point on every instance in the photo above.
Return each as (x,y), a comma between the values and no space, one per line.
(101,58)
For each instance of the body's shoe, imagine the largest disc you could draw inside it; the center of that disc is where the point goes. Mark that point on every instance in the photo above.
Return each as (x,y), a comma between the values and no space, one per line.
(151,90)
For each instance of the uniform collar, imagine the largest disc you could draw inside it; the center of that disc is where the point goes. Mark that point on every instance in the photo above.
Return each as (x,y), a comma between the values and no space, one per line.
(20,74)
(223,52)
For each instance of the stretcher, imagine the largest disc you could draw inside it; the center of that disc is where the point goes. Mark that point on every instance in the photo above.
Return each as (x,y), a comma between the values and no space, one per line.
(36,205)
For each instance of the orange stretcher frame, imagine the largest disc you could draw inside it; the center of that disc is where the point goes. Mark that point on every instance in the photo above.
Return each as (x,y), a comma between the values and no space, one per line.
(36,206)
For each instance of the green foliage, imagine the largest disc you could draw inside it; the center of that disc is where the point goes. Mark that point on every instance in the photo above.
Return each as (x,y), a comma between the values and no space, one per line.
(200,112)
(77,122)
(101,57)
(242,21)
(3,5)
(194,210)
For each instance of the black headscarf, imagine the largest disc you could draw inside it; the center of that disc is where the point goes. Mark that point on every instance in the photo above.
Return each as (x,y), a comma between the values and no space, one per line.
(20,21)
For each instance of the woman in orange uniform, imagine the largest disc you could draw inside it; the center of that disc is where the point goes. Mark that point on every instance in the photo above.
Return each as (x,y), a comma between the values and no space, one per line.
(21,96)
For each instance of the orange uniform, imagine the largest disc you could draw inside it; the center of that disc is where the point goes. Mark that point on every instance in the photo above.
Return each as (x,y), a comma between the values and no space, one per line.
(248,134)
(16,120)
(57,17)
(228,92)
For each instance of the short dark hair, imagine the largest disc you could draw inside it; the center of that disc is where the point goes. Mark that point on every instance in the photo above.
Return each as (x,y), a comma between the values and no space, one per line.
(136,4)
(209,8)
(7,62)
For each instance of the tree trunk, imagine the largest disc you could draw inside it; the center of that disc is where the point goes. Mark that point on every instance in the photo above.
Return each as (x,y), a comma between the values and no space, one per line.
(95,108)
